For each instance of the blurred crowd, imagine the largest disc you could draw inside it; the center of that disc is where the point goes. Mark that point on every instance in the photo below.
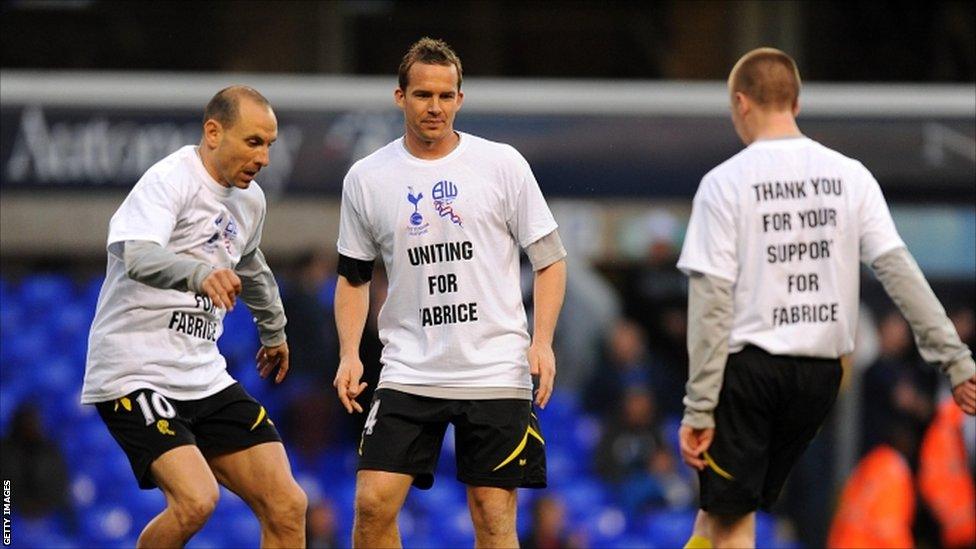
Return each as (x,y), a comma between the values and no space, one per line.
(611,434)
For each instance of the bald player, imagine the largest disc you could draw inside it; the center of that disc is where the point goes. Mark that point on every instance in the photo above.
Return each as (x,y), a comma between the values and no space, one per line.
(773,248)
(182,247)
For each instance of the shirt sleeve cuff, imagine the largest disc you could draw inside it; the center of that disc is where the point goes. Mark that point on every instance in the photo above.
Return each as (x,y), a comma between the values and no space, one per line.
(273,339)
(961,370)
(697,419)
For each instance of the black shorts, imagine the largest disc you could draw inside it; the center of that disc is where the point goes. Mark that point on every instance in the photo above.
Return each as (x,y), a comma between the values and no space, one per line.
(146,425)
(498,442)
(769,410)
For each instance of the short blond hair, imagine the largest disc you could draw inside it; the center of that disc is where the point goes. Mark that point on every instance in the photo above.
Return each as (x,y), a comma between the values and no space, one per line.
(769,77)
(428,50)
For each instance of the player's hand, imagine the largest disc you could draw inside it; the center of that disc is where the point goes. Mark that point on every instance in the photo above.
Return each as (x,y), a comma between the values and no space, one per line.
(222,286)
(965,395)
(270,358)
(347,383)
(694,443)
(542,363)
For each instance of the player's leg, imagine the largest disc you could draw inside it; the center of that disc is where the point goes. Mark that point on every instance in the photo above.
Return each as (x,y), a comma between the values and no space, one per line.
(732,530)
(244,450)
(400,444)
(815,386)
(499,448)
(261,476)
(737,461)
(493,515)
(154,432)
(191,496)
(379,497)
(701,537)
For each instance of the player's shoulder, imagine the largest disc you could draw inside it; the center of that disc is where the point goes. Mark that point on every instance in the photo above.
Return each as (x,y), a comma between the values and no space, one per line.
(729,169)
(836,156)
(174,172)
(173,166)
(379,160)
(502,152)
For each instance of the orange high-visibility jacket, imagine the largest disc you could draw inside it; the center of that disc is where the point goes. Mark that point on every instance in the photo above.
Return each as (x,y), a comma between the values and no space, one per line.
(944,480)
(877,505)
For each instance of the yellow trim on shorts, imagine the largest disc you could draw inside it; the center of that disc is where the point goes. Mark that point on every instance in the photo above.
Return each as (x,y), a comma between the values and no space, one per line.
(718,470)
(521,446)
(261,415)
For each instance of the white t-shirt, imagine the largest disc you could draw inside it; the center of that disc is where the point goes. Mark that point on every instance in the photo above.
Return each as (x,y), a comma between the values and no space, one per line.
(449,232)
(787,221)
(166,340)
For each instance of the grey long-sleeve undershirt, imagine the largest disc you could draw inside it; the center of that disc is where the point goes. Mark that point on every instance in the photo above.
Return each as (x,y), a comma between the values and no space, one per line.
(936,337)
(710,322)
(151,264)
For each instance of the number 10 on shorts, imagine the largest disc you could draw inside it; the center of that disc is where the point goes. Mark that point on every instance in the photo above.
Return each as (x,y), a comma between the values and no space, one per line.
(159,403)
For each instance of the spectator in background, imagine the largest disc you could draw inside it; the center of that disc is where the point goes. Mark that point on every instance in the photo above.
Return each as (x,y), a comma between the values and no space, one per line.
(899,390)
(631,439)
(655,296)
(35,467)
(964,319)
(945,477)
(625,365)
(549,529)
(314,354)
(877,506)
(320,525)
(660,484)
(594,306)
(308,304)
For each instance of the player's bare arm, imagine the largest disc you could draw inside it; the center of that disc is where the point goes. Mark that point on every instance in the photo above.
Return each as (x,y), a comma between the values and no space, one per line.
(351,308)
(550,288)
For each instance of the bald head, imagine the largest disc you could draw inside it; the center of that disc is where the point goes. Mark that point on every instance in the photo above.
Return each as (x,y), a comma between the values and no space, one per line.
(224,107)
(768,77)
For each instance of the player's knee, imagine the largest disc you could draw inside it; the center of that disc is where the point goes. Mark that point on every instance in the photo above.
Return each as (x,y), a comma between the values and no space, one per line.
(193,510)
(372,508)
(491,514)
(292,506)
(288,509)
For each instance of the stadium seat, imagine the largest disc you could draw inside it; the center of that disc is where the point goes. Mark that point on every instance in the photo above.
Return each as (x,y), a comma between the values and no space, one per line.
(107,525)
(88,292)
(667,528)
(605,525)
(41,292)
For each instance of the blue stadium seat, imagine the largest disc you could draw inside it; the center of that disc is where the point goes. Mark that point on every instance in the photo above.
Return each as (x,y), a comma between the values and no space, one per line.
(605,525)
(57,376)
(44,291)
(766,530)
(207,539)
(107,525)
(23,347)
(13,391)
(234,526)
(582,496)
(88,293)
(49,532)
(669,528)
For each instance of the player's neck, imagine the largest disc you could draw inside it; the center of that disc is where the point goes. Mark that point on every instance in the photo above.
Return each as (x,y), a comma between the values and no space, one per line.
(775,125)
(431,150)
(208,164)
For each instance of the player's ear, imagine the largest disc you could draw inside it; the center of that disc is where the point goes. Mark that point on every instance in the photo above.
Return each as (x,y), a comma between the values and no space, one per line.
(212,132)
(398,96)
(460,99)
(796,107)
(741,104)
